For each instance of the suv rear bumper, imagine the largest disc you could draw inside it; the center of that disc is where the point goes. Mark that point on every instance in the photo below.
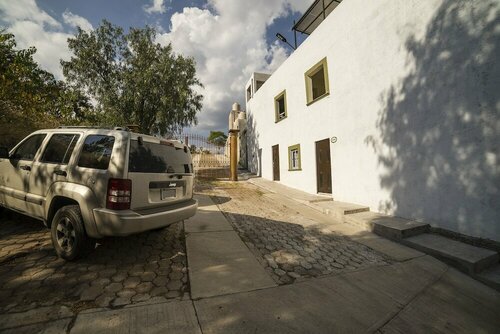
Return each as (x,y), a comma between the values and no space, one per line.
(122,223)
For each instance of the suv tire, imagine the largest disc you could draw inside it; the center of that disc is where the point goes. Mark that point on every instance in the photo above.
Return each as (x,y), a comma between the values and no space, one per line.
(68,234)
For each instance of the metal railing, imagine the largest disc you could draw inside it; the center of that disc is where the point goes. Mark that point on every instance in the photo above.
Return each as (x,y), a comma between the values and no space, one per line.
(210,159)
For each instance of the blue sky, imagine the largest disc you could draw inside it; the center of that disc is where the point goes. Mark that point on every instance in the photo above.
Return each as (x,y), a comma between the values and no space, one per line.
(229,39)
(130,13)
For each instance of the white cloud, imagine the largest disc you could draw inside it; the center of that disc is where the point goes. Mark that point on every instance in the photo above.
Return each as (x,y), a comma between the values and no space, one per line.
(26,10)
(34,27)
(228,41)
(157,7)
(51,46)
(299,5)
(74,21)
(227,38)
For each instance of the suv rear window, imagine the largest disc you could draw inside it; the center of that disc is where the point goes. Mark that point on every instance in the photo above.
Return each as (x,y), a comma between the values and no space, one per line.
(157,158)
(60,148)
(96,152)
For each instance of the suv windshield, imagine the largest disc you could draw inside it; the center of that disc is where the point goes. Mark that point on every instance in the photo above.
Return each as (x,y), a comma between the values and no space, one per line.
(157,158)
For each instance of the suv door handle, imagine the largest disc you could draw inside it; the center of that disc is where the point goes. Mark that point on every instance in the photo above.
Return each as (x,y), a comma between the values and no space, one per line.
(61,173)
(25,167)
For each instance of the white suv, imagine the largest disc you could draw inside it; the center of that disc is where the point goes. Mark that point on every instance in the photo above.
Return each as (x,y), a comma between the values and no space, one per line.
(87,183)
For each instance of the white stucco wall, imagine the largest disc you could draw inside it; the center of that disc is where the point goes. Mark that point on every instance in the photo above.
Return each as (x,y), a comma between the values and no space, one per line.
(413,102)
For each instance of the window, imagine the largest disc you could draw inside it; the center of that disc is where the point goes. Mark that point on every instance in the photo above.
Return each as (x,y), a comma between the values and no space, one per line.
(28,148)
(280,106)
(258,84)
(157,158)
(294,157)
(317,85)
(59,148)
(96,151)
(249,93)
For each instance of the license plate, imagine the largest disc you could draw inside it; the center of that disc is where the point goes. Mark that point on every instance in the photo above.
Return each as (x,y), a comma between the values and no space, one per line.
(167,193)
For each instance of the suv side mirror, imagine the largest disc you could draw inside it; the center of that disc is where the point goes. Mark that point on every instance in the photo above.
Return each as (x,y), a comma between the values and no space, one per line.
(4,153)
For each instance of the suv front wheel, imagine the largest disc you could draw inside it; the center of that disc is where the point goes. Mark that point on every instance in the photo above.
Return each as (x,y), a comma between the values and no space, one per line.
(68,234)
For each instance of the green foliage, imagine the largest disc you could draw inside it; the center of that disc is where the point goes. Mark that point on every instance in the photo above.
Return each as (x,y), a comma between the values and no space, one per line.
(133,79)
(217,138)
(31,98)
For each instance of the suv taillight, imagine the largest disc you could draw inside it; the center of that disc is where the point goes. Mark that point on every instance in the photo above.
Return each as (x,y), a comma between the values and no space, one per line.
(119,194)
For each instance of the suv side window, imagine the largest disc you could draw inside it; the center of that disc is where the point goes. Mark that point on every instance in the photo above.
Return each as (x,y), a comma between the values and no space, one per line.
(60,148)
(27,150)
(96,151)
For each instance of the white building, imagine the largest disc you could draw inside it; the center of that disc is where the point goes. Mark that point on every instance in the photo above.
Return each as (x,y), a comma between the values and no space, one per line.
(393,104)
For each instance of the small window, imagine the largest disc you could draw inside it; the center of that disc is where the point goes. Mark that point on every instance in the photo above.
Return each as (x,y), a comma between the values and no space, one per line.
(294,157)
(28,148)
(96,152)
(317,85)
(59,148)
(258,84)
(280,106)
(249,93)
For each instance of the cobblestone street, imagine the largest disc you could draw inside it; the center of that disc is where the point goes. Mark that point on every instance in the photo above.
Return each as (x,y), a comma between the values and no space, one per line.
(152,266)
(272,266)
(119,272)
(287,249)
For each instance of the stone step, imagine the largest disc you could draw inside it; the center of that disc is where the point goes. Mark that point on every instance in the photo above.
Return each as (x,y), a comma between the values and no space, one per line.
(467,258)
(389,227)
(396,228)
(363,219)
(295,194)
(338,209)
(490,277)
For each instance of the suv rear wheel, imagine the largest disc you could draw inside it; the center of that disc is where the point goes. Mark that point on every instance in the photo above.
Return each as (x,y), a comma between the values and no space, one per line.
(68,234)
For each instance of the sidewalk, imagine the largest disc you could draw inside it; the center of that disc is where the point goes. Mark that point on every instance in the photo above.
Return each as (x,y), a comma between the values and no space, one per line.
(232,293)
(219,262)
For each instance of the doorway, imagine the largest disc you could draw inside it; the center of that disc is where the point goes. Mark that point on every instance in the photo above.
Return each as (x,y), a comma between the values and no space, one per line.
(323,166)
(276,163)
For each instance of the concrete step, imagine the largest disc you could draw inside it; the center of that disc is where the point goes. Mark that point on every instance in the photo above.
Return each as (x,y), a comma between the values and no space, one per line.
(490,277)
(338,209)
(396,228)
(389,227)
(363,219)
(467,258)
(295,194)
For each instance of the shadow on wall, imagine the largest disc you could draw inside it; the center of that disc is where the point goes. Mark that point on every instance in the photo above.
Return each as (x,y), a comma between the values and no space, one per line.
(253,150)
(439,127)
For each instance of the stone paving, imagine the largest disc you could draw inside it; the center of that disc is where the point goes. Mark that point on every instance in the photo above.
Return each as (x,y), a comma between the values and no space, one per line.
(121,271)
(286,248)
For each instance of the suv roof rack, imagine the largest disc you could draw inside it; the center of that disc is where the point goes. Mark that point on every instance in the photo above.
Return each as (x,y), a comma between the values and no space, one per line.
(80,127)
(119,128)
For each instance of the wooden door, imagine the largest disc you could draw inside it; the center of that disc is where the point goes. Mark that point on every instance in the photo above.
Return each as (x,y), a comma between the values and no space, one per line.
(323,166)
(276,162)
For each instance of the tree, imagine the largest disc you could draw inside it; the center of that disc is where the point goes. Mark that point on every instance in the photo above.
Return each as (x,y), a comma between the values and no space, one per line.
(133,79)
(30,97)
(217,138)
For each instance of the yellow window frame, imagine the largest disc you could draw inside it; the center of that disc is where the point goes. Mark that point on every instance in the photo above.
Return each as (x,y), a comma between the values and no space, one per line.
(290,149)
(321,65)
(276,106)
